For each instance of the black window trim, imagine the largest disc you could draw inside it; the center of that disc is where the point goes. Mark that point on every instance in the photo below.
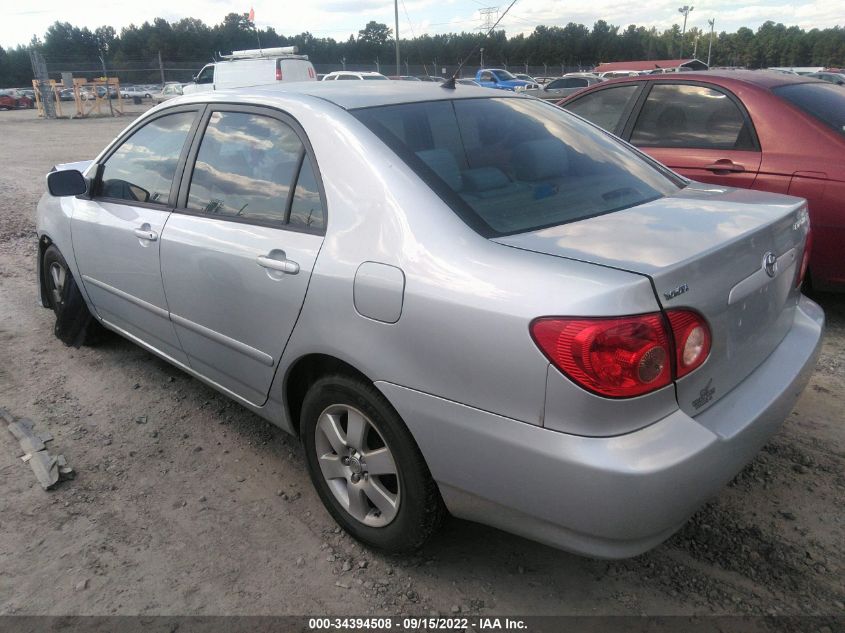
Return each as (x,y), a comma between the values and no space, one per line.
(197,109)
(636,111)
(274,113)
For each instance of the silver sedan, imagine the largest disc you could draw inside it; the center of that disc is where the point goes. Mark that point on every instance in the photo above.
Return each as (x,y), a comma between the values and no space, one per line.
(461,300)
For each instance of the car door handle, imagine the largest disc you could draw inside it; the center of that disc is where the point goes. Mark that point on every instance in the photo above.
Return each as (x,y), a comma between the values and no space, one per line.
(282,265)
(725,165)
(146,234)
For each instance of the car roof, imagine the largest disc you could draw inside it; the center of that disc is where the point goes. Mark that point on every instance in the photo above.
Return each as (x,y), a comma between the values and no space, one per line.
(352,95)
(761,78)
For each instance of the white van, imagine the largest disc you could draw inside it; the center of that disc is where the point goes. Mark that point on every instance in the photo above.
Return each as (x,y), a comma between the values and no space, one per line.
(255,67)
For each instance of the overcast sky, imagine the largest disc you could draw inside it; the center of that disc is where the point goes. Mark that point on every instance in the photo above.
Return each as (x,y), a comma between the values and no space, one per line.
(340,18)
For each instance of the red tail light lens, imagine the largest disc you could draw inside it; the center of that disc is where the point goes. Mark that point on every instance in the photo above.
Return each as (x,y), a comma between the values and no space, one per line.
(623,357)
(278,73)
(805,260)
(692,340)
(614,357)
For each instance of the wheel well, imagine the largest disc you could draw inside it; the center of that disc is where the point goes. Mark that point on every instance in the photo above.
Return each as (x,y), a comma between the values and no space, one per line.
(304,373)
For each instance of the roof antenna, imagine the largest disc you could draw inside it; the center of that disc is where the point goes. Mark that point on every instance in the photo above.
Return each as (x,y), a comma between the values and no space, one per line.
(449,84)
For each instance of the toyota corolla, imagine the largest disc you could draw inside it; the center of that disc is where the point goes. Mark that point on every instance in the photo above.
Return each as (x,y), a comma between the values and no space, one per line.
(461,301)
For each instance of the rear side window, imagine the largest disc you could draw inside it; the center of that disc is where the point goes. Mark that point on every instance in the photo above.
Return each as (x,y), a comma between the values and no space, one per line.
(825,102)
(680,115)
(306,210)
(513,165)
(245,167)
(142,168)
(604,107)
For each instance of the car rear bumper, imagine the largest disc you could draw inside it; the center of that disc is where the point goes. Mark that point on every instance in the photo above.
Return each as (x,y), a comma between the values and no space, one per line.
(609,497)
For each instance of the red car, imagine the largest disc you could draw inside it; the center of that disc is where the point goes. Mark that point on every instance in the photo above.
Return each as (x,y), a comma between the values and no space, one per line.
(753,129)
(12,100)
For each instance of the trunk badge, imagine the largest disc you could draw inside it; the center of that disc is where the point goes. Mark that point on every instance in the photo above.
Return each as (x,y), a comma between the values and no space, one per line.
(674,292)
(770,264)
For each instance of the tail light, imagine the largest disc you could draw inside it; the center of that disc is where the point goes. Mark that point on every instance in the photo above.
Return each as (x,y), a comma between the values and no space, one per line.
(692,340)
(624,357)
(311,73)
(278,72)
(805,260)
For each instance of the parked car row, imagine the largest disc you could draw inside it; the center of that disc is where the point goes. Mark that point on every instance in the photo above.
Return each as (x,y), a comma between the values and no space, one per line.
(13,99)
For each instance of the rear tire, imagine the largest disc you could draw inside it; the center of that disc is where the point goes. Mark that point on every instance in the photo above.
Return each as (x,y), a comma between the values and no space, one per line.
(366,467)
(74,324)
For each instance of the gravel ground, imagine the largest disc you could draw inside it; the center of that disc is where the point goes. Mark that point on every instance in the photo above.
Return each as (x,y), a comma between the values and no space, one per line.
(185,503)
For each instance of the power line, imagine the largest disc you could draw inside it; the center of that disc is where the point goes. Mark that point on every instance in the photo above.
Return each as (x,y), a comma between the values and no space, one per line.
(489,17)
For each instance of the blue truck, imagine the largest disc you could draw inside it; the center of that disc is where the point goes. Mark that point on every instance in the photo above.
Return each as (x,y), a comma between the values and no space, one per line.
(500,79)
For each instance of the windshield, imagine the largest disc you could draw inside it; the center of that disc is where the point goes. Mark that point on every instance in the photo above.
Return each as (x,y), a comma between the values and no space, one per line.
(503,75)
(824,101)
(510,166)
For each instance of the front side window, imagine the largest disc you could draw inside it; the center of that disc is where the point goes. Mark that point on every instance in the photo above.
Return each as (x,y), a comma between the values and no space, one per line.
(825,102)
(486,76)
(143,167)
(605,107)
(245,167)
(206,75)
(680,115)
(514,165)
(374,77)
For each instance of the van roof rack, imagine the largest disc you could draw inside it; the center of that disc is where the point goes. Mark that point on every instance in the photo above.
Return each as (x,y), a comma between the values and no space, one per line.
(259,53)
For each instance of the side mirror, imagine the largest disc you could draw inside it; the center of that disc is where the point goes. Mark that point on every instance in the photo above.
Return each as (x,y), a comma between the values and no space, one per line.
(68,182)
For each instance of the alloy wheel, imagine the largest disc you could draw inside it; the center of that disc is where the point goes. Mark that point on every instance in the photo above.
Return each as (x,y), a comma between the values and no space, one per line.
(357,465)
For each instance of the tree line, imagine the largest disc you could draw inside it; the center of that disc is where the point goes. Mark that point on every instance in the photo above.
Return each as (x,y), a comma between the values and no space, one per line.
(192,42)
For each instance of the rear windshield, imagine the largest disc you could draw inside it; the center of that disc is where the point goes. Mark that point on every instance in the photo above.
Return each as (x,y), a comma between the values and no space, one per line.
(510,166)
(824,101)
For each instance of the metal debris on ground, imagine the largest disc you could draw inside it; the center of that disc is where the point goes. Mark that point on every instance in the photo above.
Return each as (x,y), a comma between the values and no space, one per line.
(49,469)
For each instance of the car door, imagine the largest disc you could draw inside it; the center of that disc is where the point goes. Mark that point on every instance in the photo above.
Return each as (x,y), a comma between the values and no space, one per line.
(116,234)
(237,253)
(700,131)
(487,79)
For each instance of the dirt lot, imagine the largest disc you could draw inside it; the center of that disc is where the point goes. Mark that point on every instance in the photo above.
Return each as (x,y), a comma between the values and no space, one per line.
(185,503)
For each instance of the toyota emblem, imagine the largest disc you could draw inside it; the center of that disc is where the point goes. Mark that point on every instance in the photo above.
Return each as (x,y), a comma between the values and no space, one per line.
(770,264)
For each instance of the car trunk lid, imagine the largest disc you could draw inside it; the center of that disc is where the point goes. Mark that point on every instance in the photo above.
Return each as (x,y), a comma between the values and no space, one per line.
(704,249)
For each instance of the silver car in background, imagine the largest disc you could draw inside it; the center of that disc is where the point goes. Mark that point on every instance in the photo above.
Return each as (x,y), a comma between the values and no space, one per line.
(461,300)
(562,86)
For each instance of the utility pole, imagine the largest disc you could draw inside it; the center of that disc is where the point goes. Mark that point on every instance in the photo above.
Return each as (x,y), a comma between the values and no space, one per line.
(106,77)
(161,68)
(712,24)
(481,63)
(39,71)
(686,11)
(396,18)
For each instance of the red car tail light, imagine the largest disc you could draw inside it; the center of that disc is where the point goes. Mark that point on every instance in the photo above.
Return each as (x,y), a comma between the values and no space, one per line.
(692,340)
(278,73)
(623,357)
(617,357)
(805,260)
